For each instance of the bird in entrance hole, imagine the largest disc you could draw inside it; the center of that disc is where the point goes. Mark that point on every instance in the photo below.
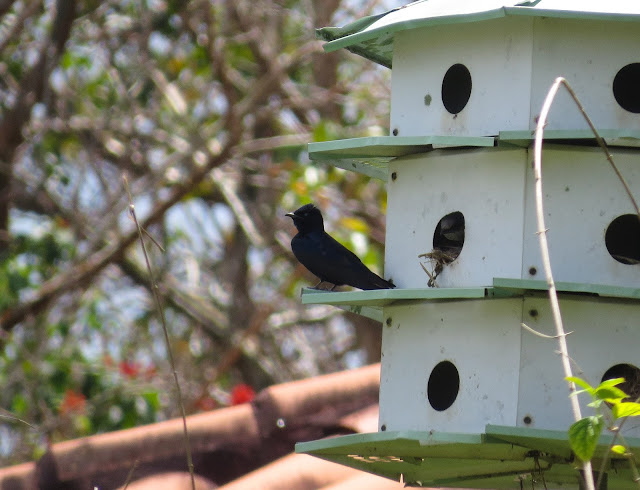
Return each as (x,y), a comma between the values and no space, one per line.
(327,258)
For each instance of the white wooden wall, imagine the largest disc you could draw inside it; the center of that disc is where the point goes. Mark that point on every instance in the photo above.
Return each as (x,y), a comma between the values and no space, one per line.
(513,61)
(505,373)
(493,189)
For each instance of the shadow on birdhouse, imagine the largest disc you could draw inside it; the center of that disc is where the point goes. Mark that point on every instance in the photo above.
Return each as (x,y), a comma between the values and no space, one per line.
(448,239)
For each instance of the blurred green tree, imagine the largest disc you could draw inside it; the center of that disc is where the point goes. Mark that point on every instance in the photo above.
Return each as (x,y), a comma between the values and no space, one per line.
(206,107)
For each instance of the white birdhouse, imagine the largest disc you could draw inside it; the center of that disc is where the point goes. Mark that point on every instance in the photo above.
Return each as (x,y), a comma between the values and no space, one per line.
(467,396)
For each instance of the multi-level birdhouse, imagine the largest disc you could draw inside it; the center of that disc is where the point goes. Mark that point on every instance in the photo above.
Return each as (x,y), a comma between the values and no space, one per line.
(467,396)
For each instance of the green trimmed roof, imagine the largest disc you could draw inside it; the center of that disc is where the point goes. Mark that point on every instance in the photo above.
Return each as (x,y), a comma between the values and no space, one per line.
(371,155)
(372,37)
(370,303)
(501,457)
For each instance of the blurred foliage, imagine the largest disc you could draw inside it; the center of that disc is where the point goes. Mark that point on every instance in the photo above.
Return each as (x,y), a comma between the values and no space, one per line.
(160,91)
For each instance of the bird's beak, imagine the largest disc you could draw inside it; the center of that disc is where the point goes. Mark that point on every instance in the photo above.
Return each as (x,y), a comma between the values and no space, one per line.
(291,215)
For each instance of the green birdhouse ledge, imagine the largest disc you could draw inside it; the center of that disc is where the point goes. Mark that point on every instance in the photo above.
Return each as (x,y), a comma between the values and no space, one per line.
(468,398)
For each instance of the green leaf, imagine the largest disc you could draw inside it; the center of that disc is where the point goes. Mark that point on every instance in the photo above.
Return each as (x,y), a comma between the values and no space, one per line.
(38,452)
(19,405)
(27,367)
(354,224)
(17,280)
(320,132)
(626,409)
(618,449)
(610,394)
(581,383)
(583,436)
(153,400)
(82,424)
(611,382)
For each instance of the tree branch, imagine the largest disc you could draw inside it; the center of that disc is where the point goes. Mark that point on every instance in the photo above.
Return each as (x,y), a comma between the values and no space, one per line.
(32,90)
(94,263)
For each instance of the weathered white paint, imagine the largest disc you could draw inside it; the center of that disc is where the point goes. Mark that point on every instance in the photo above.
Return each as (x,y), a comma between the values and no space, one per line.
(506,373)
(480,337)
(496,54)
(605,333)
(493,188)
(582,197)
(513,61)
(486,186)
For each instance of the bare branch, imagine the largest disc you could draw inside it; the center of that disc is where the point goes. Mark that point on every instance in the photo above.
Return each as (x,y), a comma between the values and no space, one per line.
(31,91)
(93,264)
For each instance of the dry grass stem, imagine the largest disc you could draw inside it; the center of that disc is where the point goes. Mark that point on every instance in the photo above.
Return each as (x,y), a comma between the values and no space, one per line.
(156,296)
(5,414)
(439,259)
(130,474)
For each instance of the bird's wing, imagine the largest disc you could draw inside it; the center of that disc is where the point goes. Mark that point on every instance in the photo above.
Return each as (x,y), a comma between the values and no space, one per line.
(323,256)
(332,262)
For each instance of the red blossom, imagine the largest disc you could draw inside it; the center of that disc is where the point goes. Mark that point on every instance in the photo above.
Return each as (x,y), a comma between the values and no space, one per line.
(72,402)
(242,393)
(130,369)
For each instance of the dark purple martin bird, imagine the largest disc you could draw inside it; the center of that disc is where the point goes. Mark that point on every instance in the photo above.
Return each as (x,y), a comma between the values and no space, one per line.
(327,258)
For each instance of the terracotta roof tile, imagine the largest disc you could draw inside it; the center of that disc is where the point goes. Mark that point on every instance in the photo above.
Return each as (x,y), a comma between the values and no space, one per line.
(293,472)
(227,443)
(365,481)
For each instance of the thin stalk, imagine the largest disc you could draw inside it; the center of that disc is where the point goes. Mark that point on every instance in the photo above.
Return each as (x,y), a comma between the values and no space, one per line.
(132,470)
(542,229)
(546,262)
(156,296)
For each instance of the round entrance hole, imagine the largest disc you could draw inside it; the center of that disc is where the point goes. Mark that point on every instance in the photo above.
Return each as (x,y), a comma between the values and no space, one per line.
(626,87)
(456,88)
(622,239)
(443,386)
(631,375)
(448,236)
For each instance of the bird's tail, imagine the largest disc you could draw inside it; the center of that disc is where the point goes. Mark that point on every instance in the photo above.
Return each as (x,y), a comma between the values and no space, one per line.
(374,281)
